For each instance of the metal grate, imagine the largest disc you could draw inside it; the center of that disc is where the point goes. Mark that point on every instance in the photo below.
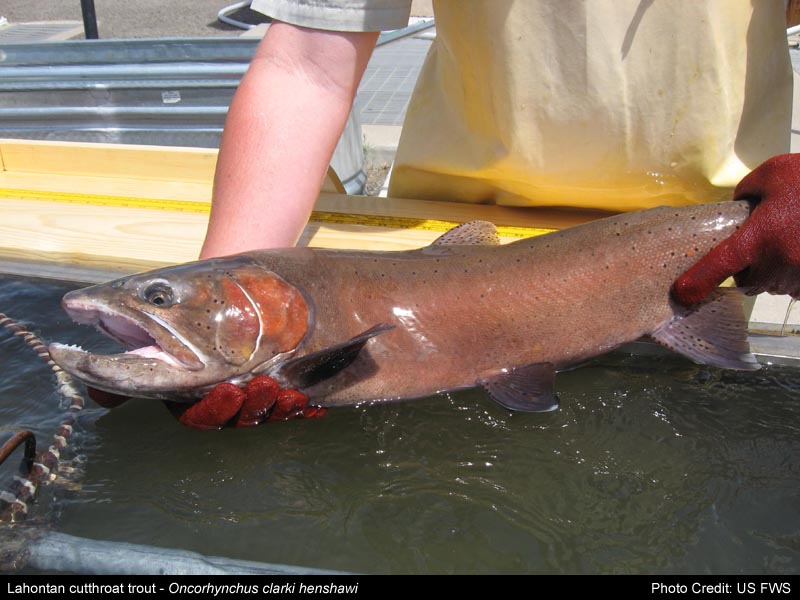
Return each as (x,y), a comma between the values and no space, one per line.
(389,80)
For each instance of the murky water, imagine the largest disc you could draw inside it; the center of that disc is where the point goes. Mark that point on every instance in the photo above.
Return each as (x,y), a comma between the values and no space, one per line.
(652,465)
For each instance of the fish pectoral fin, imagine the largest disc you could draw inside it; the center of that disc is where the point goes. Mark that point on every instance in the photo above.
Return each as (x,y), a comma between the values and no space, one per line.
(309,369)
(714,333)
(474,233)
(526,389)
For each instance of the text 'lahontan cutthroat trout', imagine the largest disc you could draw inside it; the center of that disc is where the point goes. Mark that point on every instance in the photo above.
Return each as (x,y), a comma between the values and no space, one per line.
(347,327)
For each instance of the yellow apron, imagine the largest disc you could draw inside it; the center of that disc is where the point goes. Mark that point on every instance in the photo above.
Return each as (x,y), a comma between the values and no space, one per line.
(613,104)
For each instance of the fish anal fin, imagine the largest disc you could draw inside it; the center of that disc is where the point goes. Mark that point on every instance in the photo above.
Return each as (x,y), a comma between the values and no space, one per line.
(474,233)
(309,369)
(713,333)
(526,389)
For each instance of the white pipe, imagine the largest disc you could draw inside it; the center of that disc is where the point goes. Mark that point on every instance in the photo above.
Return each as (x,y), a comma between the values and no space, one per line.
(69,554)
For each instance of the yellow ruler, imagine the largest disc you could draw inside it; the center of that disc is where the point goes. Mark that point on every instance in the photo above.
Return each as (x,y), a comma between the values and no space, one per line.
(193,206)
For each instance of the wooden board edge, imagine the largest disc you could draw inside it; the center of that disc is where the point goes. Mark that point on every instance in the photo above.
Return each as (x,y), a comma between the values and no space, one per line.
(168,163)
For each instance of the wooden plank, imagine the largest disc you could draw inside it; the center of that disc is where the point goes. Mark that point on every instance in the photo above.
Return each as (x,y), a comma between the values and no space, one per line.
(140,239)
(136,207)
(111,167)
(331,202)
(458,212)
(107,186)
(110,160)
(135,239)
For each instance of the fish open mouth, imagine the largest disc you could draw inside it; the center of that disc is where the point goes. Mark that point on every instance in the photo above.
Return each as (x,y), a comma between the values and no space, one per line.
(138,340)
(157,363)
(143,335)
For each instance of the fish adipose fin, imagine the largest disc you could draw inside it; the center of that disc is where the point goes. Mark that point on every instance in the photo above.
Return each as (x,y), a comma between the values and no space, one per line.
(474,233)
(715,333)
(526,389)
(310,369)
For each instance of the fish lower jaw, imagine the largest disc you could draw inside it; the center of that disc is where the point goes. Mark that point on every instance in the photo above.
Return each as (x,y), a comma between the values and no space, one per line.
(146,372)
(147,352)
(72,358)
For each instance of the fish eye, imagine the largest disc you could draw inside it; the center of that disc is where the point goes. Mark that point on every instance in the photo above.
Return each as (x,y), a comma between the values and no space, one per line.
(158,294)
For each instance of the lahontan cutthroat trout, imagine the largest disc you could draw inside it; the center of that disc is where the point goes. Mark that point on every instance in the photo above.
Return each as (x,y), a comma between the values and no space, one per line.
(347,327)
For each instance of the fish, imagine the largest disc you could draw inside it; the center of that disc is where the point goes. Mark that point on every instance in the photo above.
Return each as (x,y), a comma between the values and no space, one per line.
(348,326)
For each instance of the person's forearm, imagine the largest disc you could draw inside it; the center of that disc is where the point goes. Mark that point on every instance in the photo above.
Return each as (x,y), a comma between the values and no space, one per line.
(282,127)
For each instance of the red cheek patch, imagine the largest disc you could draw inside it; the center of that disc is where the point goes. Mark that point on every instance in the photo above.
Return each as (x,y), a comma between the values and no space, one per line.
(282,308)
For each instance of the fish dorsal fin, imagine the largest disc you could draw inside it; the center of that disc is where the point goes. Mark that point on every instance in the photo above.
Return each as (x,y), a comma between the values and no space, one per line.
(715,333)
(309,369)
(526,389)
(474,233)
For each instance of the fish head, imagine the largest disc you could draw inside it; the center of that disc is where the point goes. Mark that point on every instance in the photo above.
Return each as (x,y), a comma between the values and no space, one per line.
(186,328)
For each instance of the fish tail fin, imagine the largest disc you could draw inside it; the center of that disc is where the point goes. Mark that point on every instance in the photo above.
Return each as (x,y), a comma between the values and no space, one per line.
(713,333)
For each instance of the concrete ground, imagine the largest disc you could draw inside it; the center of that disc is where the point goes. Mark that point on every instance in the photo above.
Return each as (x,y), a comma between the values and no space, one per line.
(139,19)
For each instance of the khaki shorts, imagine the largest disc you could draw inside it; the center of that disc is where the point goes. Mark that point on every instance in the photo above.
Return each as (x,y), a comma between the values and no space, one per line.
(338,15)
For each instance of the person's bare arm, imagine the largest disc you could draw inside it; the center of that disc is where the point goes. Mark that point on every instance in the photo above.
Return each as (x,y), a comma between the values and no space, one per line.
(282,127)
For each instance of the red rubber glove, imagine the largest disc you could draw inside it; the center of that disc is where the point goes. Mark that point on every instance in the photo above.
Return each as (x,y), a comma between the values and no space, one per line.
(764,254)
(260,400)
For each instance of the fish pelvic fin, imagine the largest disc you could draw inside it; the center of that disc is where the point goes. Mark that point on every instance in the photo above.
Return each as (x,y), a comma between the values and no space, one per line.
(712,333)
(525,389)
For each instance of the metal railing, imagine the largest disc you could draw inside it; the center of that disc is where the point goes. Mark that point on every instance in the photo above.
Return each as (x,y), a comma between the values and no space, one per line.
(168,92)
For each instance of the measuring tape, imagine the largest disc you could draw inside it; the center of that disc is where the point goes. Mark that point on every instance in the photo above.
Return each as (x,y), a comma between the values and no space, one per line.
(193,206)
